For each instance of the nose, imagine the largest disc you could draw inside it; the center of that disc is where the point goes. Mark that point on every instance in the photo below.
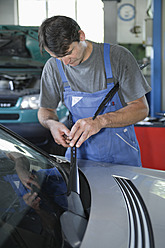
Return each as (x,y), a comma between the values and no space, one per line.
(65,60)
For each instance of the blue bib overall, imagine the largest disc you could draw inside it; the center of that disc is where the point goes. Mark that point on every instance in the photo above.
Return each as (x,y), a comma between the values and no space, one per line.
(113,145)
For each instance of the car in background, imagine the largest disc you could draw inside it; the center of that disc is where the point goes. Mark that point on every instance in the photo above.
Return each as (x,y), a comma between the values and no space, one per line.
(21,65)
(47,201)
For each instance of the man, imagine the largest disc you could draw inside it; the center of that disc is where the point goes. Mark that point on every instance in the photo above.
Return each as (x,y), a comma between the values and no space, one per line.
(80,73)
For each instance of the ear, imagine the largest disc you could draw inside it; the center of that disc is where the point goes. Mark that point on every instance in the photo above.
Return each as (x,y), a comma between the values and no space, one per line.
(82,35)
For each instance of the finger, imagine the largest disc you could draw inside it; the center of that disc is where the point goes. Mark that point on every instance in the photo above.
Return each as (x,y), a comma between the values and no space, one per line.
(34,183)
(32,200)
(63,142)
(67,141)
(74,129)
(29,197)
(27,186)
(36,204)
(58,130)
(63,132)
(26,196)
(66,132)
(58,142)
(30,180)
(76,137)
(32,197)
(66,138)
(85,135)
(60,138)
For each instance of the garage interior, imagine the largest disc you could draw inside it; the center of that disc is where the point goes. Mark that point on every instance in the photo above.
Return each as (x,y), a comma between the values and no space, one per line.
(138,25)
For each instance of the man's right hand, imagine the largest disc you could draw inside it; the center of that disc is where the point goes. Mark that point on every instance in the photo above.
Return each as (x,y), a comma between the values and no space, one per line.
(48,118)
(59,132)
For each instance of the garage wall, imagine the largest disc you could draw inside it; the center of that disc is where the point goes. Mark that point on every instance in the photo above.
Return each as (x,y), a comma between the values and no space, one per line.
(116,29)
(125,25)
(8,12)
(124,21)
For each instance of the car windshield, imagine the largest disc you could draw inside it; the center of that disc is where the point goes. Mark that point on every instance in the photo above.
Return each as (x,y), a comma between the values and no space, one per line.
(32,196)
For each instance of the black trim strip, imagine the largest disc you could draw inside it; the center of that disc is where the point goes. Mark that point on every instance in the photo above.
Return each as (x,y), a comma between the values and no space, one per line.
(140,228)
(9,116)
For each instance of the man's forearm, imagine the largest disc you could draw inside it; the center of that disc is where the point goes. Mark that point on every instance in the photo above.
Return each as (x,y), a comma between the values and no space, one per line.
(45,117)
(131,114)
(84,128)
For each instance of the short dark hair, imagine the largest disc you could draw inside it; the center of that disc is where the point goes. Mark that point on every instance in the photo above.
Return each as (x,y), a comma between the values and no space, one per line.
(57,33)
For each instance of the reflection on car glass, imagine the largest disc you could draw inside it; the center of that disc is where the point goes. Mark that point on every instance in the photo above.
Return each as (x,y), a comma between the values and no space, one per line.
(9,146)
(28,193)
(9,143)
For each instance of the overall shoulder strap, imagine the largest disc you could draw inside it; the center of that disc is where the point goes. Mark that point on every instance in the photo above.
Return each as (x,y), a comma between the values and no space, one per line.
(61,71)
(107,61)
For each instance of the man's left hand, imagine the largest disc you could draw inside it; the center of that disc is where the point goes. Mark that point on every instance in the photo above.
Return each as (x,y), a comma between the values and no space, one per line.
(83,129)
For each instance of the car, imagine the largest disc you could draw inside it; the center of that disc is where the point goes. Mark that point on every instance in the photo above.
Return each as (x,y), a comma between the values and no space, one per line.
(21,66)
(48,201)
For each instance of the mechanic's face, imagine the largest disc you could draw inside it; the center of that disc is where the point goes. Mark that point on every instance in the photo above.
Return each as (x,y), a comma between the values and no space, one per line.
(77,52)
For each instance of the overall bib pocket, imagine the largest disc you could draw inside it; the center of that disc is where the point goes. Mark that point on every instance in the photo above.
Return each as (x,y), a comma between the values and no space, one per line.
(126,147)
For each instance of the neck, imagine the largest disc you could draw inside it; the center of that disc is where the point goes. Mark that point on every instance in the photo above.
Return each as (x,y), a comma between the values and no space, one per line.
(88,50)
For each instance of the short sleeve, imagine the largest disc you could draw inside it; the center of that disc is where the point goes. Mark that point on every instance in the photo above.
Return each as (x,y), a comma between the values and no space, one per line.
(126,71)
(50,86)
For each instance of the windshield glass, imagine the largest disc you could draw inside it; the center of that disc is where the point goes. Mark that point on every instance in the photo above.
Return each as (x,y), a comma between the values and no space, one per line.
(32,196)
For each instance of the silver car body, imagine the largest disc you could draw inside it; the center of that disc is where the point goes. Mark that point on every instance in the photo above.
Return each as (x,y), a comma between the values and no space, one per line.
(127,206)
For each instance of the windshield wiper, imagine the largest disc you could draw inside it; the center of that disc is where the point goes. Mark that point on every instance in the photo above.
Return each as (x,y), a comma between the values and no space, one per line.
(75,216)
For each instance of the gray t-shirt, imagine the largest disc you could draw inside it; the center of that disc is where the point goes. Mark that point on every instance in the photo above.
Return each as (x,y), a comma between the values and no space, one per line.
(89,76)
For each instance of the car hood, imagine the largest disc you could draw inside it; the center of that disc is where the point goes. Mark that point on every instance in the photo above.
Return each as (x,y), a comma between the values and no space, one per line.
(21,62)
(18,63)
(19,44)
(127,206)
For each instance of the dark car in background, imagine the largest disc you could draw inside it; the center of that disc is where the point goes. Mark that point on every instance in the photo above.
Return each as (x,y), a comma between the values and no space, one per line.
(46,201)
(21,65)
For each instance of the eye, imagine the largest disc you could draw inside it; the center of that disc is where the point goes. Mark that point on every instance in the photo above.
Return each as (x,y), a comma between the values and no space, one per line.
(70,52)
